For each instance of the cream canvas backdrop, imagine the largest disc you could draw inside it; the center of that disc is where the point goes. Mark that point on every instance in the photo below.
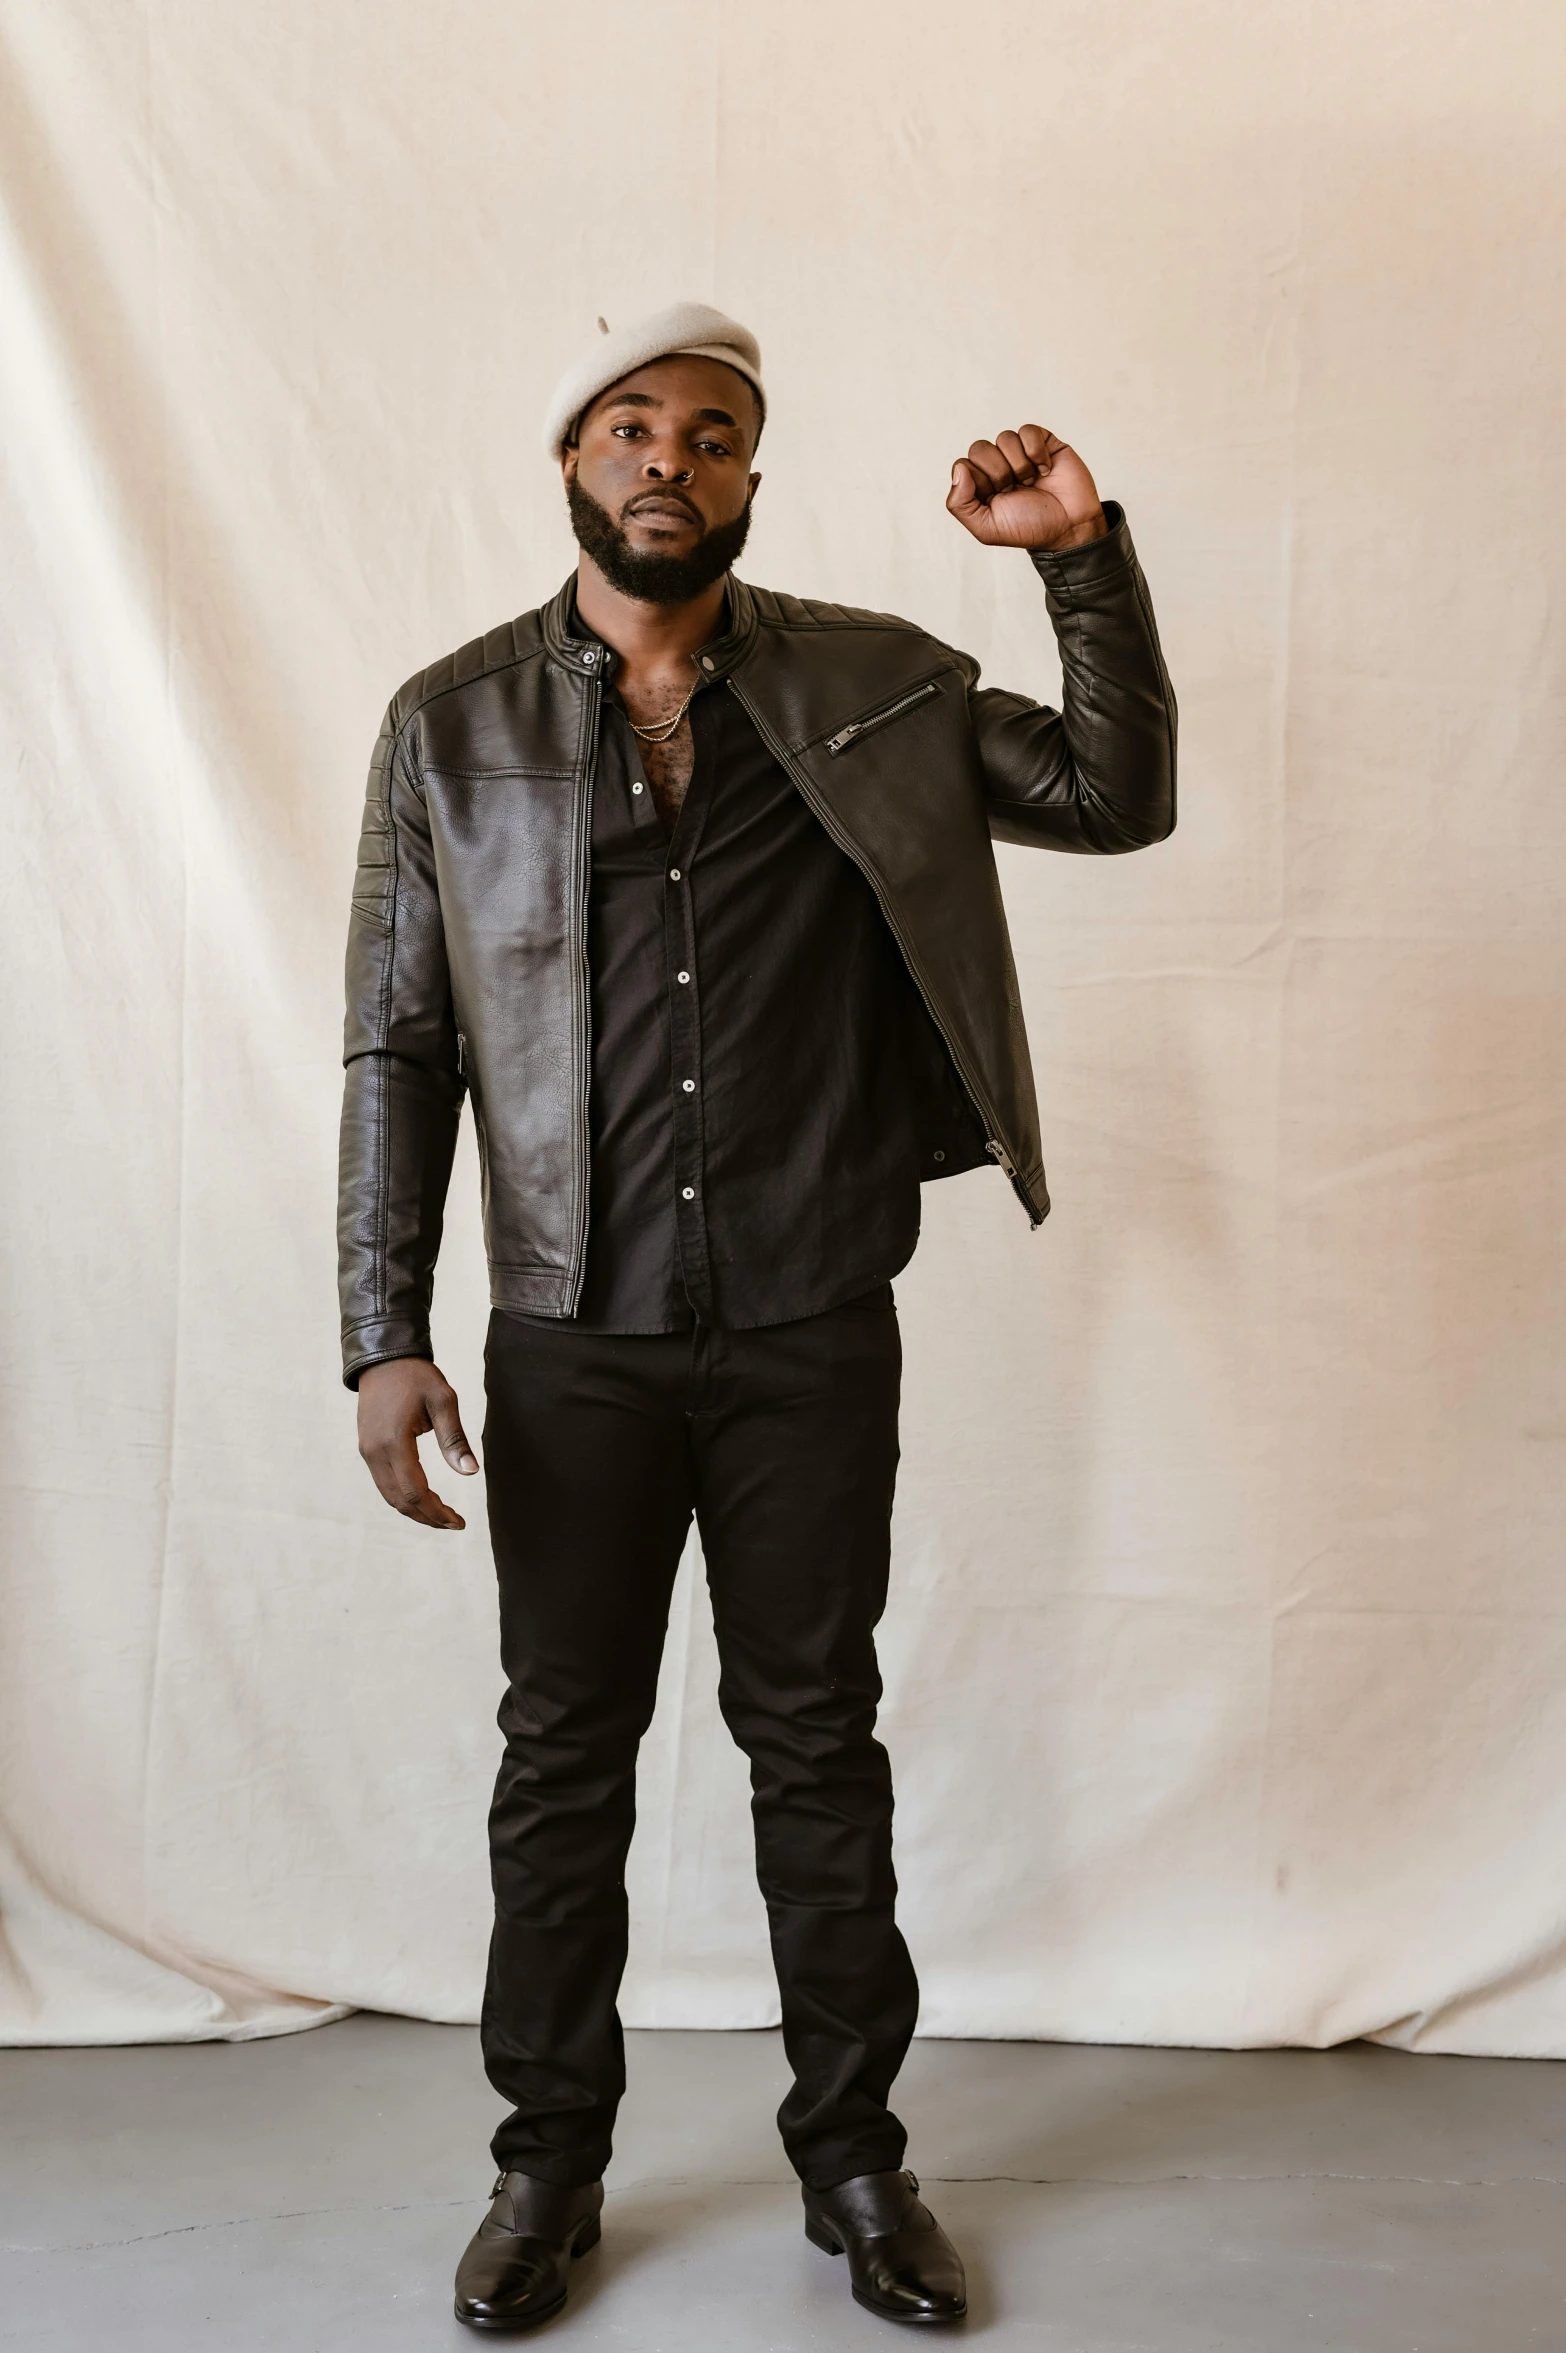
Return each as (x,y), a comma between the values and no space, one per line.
(1225,1659)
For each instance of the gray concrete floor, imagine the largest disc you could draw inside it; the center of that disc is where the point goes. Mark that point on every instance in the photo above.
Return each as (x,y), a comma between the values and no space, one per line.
(314,2193)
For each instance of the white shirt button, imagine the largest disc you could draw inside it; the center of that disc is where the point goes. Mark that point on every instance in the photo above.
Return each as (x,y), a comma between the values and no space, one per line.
(636,788)
(689,1084)
(687,1192)
(674,874)
(683,978)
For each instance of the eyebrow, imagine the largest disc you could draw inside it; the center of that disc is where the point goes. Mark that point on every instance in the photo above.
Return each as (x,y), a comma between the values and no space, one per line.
(645,400)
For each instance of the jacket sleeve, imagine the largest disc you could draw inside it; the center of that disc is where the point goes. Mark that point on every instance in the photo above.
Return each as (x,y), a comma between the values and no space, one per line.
(403,1093)
(1098,775)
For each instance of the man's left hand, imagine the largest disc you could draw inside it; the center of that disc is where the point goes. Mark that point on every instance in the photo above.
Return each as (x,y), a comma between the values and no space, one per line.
(1026,489)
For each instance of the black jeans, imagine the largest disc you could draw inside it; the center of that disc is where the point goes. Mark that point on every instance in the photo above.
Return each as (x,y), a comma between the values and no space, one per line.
(598,1449)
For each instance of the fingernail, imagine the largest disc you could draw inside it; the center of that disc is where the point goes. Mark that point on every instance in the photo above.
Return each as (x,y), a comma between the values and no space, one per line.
(467,1463)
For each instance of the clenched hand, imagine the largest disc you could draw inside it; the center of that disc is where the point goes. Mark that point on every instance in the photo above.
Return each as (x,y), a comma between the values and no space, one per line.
(398,1402)
(1025,489)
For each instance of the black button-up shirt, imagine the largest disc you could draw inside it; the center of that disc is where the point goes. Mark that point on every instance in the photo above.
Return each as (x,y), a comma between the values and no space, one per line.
(767,1087)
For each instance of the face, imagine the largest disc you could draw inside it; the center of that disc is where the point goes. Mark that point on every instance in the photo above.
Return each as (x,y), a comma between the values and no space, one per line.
(660,482)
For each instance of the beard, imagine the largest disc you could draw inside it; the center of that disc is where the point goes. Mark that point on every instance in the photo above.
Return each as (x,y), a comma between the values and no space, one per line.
(651,578)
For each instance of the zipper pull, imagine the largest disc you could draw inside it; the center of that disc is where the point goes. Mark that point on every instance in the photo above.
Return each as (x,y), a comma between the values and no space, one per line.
(996,1153)
(835,743)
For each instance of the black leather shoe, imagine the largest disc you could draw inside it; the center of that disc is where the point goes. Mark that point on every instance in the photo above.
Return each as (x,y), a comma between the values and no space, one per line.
(517,2265)
(900,2261)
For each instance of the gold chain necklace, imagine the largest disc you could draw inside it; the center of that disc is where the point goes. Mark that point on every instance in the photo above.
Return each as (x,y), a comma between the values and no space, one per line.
(661,729)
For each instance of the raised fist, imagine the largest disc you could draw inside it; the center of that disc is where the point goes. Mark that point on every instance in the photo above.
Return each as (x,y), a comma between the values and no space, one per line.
(1025,489)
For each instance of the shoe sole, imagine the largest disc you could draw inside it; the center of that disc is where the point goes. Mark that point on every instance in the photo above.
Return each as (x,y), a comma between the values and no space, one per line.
(820,2236)
(587,2238)
(910,2319)
(512,2328)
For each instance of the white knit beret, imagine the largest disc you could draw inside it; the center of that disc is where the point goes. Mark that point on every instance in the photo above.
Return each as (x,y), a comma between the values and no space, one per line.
(692,329)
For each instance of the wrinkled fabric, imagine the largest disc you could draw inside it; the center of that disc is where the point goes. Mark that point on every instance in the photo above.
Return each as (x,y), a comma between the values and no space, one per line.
(1226,1695)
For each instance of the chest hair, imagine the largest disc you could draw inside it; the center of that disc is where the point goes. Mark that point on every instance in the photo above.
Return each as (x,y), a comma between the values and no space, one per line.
(669,767)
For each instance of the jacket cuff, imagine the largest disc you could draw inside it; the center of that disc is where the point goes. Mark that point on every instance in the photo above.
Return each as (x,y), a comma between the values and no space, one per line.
(1095,559)
(379,1342)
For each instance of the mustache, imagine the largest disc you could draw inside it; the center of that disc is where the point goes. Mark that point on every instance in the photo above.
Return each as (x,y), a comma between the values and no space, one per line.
(663,498)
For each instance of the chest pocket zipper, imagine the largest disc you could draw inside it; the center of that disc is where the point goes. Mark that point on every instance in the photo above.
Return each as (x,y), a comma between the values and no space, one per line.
(851,734)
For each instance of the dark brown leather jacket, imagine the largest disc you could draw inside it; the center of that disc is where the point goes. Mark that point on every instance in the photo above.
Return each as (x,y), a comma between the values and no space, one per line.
(467,957)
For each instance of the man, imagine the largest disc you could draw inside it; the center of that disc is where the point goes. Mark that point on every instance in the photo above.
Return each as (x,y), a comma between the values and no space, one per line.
(691,887)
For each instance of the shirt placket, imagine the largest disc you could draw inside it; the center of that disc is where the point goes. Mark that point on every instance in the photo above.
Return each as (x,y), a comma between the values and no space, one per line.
(644,814)
(683,966)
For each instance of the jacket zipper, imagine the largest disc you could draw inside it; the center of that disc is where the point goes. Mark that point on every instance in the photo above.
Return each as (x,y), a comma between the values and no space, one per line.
(858,727)
(579,1152)
(823,815)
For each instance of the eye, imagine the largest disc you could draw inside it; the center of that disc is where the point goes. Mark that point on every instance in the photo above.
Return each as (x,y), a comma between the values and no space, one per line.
(629,432)
(719,448)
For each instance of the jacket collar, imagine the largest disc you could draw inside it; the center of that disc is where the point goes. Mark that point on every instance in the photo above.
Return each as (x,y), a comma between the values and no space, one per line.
(587,657)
